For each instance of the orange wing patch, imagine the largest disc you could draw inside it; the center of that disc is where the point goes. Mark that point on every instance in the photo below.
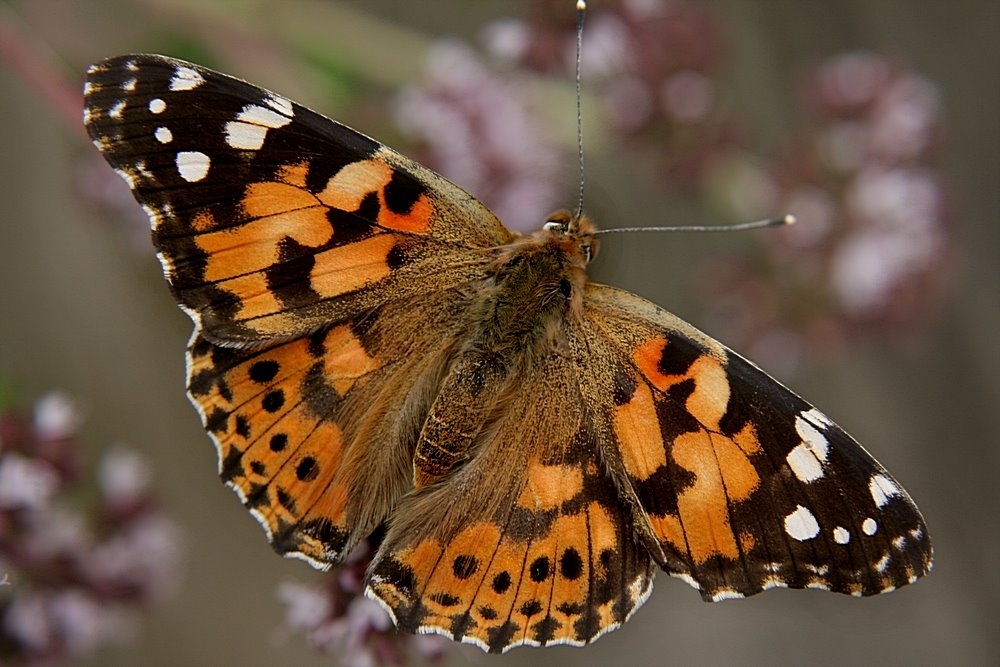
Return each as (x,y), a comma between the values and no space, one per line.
(719,465)
(638,428)
(723,475)
(349,187)
(548,486)
(277,447)
(707,403)
(567,585)
(349,268)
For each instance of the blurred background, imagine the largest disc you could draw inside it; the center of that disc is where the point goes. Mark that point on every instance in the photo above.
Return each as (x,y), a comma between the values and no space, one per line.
(874,121)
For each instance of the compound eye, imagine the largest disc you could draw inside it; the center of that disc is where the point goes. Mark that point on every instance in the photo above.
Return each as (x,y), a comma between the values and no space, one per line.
(558,222)
(554,226)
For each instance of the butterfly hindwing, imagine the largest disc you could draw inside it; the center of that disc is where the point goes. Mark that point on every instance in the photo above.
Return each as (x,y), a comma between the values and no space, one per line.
(528,543)
(742,485)
(271,220)
(295,423)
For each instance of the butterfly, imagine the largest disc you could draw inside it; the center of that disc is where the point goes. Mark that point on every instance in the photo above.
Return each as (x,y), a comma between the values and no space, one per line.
(374,352)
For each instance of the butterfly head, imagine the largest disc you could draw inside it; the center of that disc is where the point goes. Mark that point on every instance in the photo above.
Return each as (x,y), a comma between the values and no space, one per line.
(575,234)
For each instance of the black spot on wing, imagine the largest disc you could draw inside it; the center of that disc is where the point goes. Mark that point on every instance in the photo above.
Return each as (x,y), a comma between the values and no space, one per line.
(678,355)
(264,371)
(624,385)
(401,193)
(290,277)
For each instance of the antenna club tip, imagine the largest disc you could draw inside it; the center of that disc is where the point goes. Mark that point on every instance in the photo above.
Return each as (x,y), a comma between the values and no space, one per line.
(581,5)
(789,219)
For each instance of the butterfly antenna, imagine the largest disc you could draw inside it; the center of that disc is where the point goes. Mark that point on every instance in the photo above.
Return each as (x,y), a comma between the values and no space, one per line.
(581,10)
(757,224)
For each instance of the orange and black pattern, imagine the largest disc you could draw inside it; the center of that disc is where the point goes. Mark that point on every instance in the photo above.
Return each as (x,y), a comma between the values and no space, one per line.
(374,352)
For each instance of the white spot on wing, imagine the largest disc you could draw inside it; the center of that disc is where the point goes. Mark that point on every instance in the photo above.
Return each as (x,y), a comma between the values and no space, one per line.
(252,113)
(727,594)
(804,463)
(280,104)
(882,563)
(250,128)
(244,136)
(801,524)
(156,105)
(869,527)
(882,488)
(129,85)
(841,535)
(817,418)
(686,578)
(773,582)
(163,135)
(154,219)
(807,458)
(88,87)
(115,110)
(186,78)
(815,440)
(193,165)
(127,177)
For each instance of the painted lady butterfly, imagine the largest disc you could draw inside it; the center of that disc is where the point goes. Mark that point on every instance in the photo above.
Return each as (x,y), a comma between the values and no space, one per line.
(373,348)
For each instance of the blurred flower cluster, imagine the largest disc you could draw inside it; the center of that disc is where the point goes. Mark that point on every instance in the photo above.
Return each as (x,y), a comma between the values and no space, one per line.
(74,579)
(338,619)
(872,249)
(653,65)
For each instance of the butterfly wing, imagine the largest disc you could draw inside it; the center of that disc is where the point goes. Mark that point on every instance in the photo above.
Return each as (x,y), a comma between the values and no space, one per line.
(271,220)
(315,434)
(739,484)
(284,235)
(528,542)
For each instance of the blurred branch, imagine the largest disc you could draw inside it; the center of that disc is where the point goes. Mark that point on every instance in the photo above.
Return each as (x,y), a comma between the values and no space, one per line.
(30,59)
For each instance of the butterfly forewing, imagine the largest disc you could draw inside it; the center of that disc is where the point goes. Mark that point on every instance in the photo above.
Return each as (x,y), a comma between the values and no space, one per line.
(742,484)
(271,220)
